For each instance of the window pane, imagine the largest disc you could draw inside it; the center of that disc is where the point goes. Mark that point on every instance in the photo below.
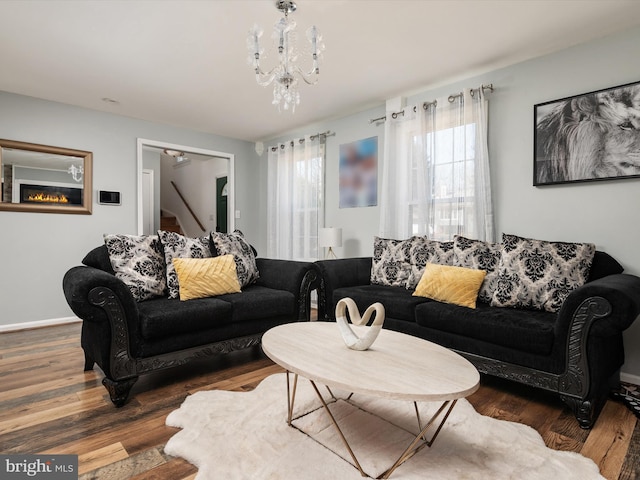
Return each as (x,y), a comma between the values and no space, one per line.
(449,156)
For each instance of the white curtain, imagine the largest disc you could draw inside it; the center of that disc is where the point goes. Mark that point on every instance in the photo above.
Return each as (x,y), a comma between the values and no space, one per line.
(295,198)
(435,173)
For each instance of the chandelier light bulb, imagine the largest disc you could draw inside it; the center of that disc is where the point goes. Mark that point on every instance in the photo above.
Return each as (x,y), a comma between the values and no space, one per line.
(76,172)
(284,76)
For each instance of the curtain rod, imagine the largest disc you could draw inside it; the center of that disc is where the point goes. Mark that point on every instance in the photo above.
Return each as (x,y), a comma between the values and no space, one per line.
(426,105)
(328,133)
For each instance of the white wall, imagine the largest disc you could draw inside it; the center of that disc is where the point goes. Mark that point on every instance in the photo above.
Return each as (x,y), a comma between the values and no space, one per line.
(606,213)
(37,248)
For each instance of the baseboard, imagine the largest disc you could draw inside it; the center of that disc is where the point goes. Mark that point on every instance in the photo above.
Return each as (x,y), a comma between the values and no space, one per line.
(627,377)
(13,327)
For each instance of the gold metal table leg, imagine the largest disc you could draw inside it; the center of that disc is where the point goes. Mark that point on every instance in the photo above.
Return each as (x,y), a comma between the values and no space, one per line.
(291,397)
(418,443)
(335,424)
(413,447)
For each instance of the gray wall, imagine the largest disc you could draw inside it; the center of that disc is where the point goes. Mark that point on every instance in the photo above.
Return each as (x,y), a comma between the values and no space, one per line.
(606,213)
(38,248)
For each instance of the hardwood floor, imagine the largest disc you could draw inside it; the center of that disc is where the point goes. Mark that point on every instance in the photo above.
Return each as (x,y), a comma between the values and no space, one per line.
(49,405)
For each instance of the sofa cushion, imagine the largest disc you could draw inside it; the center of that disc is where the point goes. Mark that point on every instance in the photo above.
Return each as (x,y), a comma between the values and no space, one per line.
(390,265)
(179,246)
(449,284)
(398,302)
(233,330)
(164,317)
(206,277)
(423,251)
(261,302)
(138,262)
(479,255)
(235,244)
(540,274)
(527,330)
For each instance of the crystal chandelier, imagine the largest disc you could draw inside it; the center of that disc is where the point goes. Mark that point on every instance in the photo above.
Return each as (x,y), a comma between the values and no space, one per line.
(76,172)
(283,76)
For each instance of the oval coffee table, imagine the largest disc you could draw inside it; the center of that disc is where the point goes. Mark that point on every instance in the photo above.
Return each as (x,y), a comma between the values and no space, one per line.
(397,366)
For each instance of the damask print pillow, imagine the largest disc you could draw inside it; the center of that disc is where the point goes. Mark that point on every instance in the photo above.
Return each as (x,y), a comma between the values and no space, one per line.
(139,262)
(479,255)
(178,246)
(540,274)
(423,251)
(390,264)
(236,245)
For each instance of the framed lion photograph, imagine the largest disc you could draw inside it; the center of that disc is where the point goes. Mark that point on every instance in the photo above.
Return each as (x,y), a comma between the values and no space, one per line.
(587,137)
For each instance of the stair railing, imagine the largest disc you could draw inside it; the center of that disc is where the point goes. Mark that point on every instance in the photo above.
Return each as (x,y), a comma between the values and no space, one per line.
(195,217)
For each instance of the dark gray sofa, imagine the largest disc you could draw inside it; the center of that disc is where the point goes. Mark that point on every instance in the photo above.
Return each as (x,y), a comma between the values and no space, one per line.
(128,338)
(576,353)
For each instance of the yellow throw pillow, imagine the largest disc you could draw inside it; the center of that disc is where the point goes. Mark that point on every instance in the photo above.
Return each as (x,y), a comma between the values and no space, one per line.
(206,277)
(448,284)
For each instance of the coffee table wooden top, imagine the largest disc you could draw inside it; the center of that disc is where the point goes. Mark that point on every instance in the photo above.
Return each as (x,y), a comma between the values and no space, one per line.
(397,366)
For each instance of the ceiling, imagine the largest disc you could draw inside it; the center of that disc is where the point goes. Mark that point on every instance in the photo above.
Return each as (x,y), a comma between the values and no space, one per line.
(184,63)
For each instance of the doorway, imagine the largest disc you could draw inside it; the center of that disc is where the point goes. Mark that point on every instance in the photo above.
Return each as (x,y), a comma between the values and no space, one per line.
(145,146)
(222,209)
(148,205)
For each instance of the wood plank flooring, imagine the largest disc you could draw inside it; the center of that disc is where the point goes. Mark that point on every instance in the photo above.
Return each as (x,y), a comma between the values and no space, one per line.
(49,405)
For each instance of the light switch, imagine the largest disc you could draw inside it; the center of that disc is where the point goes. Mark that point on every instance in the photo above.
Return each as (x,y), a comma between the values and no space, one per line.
(237,213)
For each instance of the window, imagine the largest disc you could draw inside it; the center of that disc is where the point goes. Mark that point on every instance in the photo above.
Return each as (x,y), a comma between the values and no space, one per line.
(436,173)
(295,207)
(450,157)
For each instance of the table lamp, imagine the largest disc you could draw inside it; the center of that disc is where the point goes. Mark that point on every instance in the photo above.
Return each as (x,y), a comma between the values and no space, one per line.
(330,237)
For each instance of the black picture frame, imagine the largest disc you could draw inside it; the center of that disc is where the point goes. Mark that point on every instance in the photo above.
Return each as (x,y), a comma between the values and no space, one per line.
(588,137)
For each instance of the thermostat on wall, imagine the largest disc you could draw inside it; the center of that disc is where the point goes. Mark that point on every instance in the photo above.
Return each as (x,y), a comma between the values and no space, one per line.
(109,198)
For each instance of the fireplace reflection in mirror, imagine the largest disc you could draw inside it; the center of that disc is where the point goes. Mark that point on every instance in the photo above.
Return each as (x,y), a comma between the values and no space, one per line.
(44,178)
(50,195)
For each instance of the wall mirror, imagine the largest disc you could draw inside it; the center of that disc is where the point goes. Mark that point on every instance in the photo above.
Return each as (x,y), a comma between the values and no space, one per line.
(41,178)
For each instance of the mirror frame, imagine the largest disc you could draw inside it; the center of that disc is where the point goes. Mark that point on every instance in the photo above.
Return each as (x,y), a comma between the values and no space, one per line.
(87,184)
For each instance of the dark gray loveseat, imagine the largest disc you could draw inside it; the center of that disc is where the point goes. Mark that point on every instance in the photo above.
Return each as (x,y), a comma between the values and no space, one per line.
(576,352)
(128,338)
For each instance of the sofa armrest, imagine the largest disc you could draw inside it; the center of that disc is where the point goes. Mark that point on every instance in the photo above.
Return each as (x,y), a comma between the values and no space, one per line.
(282,274)
(299,278)
(78,283)
(110,314)
(334,274)
(590,317)
(621,292)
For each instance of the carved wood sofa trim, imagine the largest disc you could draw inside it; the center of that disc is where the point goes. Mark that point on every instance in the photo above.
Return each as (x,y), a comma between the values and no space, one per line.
(573,384)
(125,369)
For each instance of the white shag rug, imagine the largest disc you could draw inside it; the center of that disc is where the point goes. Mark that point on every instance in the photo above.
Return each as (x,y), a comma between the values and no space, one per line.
(244,435)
